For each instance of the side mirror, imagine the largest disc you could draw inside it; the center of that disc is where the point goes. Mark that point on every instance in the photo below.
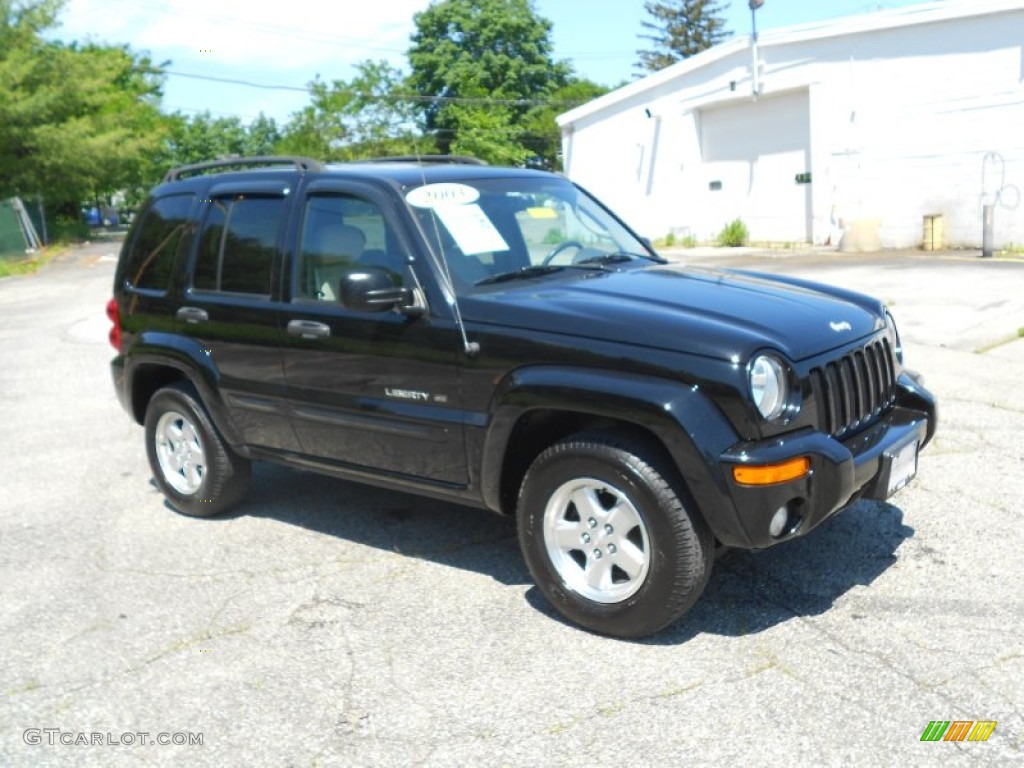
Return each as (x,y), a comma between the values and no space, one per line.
(369,289)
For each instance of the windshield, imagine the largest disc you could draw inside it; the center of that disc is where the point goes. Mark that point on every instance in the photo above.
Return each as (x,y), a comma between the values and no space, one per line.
(490,230)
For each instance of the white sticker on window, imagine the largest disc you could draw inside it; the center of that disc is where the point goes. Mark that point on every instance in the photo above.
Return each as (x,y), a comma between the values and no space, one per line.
(473,231)
(434,195)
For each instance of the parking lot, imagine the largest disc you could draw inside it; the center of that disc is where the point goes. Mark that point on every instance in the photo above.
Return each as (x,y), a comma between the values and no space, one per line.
(327,623)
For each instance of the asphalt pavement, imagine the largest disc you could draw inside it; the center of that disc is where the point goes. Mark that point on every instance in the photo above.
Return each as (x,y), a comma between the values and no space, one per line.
(326,623)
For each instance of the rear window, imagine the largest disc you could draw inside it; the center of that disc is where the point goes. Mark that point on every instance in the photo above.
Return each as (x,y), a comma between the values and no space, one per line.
(237,245)
(160,235)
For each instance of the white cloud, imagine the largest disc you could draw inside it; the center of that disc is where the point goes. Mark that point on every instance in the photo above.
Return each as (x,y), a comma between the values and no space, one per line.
(282,37)
(255,41)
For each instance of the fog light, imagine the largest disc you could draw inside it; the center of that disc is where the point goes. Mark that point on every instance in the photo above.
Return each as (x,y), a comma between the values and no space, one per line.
(778,524)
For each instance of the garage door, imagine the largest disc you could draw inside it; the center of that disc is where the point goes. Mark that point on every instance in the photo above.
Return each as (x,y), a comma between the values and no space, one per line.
(753,153)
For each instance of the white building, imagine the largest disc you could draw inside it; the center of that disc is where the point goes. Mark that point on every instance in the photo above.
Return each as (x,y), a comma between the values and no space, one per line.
(875,121)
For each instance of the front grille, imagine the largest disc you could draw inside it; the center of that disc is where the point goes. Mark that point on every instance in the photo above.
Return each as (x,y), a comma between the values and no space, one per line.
(854,390)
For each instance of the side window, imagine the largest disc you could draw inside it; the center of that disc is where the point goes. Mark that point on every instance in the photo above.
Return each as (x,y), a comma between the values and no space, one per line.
(207,272)
(341,233)
(237,245)
(156,245)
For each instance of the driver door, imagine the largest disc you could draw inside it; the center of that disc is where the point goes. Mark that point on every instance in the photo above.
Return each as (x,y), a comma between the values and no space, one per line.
(374,391)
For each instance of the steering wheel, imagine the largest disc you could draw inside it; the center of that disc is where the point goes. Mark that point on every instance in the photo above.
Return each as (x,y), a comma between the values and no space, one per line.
(561,247)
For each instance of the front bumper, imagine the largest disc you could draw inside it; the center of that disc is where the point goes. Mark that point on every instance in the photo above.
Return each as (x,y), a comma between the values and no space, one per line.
(841,471)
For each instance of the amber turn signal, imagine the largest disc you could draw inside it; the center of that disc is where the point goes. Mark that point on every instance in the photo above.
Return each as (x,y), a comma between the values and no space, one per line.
(772,474)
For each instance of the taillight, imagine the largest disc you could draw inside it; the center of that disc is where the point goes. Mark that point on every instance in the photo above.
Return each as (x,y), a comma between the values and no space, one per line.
(114,313)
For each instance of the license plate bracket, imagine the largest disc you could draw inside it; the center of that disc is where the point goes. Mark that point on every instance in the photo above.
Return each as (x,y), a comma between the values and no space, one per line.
(902,465)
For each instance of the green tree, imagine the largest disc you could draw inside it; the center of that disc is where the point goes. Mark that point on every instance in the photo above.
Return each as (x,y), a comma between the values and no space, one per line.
(203,137)
(77,122)
(370,115)
(262,136)
(680,29)
(541,134)
(480,66)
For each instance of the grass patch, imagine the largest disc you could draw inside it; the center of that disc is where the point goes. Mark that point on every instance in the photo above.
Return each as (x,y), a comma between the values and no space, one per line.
(21,267)
(30,264)
(673,240)
(734,234)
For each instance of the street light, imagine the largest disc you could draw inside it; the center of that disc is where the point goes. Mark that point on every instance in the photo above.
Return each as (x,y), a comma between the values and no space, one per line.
(754,5)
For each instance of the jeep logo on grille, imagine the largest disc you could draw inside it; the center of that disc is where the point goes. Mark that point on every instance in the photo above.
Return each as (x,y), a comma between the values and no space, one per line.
(839,327)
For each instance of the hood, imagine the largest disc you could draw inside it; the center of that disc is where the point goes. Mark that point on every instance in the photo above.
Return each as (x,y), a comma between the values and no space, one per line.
(711,312)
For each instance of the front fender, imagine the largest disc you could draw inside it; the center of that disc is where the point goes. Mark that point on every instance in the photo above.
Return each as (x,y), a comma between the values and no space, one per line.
(687,423)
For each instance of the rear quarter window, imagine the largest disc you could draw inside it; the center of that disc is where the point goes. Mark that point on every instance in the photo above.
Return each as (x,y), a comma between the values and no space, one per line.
(161,233)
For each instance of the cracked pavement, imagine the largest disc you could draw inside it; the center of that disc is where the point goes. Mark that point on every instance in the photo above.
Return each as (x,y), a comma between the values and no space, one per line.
(326,623)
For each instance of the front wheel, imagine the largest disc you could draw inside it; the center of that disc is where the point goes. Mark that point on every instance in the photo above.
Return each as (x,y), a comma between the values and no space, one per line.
(608,538)
(195,469)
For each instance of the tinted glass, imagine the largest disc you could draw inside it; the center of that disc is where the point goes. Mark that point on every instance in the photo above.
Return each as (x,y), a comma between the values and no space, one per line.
(156,245)
(208,260)
(237,245)
(250,244)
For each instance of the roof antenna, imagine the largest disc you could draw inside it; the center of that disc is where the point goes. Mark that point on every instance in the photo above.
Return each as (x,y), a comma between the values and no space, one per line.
(470,348)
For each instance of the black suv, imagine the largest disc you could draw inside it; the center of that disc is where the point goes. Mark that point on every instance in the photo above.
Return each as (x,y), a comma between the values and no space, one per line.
(497,337)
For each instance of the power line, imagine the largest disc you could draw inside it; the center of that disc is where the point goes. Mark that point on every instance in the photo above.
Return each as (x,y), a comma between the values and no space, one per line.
(415,97)
(233,81)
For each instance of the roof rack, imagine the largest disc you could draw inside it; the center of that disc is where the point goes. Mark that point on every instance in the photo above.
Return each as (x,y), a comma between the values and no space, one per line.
(454,159)
(300,163)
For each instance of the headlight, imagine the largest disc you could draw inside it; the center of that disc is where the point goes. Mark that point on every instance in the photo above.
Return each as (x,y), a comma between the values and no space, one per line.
(890,323)
(768,386)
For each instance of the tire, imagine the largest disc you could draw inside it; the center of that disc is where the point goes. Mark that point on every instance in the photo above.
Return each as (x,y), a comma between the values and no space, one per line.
(192,465)
(607,537)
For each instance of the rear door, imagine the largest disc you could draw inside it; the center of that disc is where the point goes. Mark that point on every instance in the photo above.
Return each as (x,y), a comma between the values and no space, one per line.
(232,306)
(372,391)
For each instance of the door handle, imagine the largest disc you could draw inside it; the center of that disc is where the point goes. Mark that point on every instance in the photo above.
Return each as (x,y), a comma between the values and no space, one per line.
(192,315)
(308,329)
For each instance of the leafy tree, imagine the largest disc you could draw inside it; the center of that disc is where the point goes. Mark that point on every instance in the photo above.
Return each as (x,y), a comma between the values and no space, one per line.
(201,137)
(541,134)
(680,29)
(204,137)
(480,66)
(263,136)
(370,115)
(76,122)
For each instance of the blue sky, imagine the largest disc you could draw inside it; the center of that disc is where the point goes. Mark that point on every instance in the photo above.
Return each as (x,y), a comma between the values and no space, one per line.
(258,42)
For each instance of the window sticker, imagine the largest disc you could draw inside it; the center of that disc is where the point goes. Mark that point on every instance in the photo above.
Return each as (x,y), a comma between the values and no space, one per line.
(437,195)
(473,232)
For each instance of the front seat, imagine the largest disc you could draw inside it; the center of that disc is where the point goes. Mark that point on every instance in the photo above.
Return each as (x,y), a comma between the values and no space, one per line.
(334,250)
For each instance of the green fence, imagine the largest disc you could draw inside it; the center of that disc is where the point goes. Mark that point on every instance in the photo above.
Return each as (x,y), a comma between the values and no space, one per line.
(12,241)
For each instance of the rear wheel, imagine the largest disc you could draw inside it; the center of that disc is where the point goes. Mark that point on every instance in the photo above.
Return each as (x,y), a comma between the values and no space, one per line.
(195,469)
(607,536)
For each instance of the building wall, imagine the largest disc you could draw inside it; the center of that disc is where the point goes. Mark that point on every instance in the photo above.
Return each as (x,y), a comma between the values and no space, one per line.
(892,124)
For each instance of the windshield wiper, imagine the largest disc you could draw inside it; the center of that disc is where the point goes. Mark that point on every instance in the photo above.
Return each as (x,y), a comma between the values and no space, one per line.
(618,257)
(537,270)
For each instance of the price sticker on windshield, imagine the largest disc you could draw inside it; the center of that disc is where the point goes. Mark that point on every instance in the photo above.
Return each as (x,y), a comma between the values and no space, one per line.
(438,195)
